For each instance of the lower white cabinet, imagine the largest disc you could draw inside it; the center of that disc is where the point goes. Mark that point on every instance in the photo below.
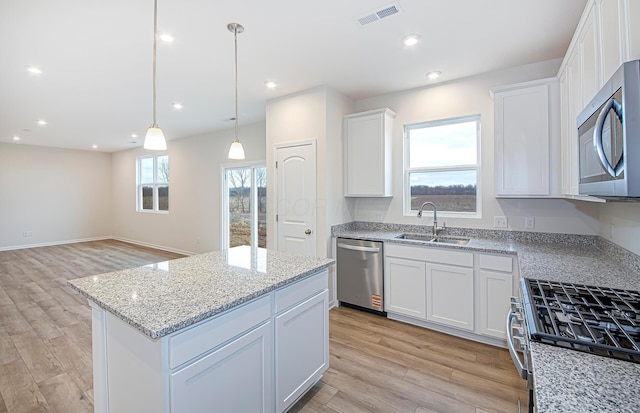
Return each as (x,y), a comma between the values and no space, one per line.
(458,292)
(495,290)
(234,378)
(302,353)
(450,295)
(405,286)
(257,357)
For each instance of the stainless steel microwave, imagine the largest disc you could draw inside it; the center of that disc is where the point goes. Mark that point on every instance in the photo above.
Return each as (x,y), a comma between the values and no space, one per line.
(609,137)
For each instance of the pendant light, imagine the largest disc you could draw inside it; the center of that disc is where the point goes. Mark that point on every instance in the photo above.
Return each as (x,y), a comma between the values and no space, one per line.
(154,139)
(236,151)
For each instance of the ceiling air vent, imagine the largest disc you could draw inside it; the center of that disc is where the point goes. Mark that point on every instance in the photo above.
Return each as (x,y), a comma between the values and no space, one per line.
(386,11)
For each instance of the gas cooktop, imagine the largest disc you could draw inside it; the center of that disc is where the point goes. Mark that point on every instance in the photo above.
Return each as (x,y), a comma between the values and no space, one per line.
(598,320)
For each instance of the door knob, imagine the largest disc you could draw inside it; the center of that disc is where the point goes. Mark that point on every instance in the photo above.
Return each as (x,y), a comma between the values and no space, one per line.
(308,232)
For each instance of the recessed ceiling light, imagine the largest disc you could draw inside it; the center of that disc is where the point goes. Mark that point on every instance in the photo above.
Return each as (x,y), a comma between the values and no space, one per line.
(42,122)
(411,39)
(134,135)
(434,75)
(34,70)
(16,138)
(270,84)
(166,38)
(177,106)
(94,146)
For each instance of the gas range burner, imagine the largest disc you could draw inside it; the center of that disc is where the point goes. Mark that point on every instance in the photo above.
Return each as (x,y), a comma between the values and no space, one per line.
(597,320)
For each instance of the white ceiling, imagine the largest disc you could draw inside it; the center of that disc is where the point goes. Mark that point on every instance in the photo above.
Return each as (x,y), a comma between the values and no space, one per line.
(96,58)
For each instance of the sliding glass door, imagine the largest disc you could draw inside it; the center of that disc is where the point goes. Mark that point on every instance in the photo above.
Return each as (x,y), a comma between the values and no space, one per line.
(245,206)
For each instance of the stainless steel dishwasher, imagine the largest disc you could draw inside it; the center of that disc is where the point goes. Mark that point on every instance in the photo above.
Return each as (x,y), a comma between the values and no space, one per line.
(360,274)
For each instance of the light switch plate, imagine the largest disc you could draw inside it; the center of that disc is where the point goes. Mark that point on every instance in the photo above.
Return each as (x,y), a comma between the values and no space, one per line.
(500,222)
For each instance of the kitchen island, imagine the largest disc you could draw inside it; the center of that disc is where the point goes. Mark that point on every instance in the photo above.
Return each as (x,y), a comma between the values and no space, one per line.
(245,329)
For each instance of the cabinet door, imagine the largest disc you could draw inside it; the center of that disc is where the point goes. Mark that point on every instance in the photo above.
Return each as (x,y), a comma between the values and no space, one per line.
(234,378)
(494,292)
(612,36)
(574,92)
(632,27)
(367,154)
(450,295)
(302,348)
(589,54)
(404,287)
(522,141)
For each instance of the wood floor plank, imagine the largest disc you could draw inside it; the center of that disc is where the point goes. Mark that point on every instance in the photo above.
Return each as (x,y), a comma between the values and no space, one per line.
(19,390)
(63,396)
(41,363)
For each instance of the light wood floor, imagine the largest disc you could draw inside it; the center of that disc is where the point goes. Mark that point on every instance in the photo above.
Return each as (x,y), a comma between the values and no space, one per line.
(377,365)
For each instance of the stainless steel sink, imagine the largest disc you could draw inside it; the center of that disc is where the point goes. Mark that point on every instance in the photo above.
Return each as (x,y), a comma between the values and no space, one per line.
(430,239)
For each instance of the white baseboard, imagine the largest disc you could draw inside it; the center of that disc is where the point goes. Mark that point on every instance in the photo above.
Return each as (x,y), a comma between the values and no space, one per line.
(158,247)
(52,243)
(75,241)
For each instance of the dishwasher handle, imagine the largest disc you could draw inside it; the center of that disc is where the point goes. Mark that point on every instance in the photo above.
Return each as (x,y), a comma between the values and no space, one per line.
(358,248)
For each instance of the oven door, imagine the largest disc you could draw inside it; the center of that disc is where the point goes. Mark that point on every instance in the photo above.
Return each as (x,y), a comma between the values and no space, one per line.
(519,347)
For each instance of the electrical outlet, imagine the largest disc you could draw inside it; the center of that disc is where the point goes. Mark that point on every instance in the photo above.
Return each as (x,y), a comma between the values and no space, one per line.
(612,231)
(379,216)
(529,223)
(27,233)
(500,222)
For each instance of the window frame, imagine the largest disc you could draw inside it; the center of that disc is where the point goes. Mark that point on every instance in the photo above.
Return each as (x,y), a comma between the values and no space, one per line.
(155,184)
(406,190)
(253,200)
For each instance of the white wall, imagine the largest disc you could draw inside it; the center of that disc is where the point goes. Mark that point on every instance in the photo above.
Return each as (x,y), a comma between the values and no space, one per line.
(625,218)
(58,194)
(195,192)
(470,97)
(312,114)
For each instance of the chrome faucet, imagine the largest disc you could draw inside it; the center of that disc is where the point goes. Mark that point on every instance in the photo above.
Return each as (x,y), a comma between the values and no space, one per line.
(435,216)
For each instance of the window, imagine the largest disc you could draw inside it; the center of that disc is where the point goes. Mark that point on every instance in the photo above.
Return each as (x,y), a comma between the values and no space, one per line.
(245,206)
(442,165)
(153,183)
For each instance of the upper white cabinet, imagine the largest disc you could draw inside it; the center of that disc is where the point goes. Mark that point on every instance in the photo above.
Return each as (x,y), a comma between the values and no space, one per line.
(367,153)
(606,37)
(526,124)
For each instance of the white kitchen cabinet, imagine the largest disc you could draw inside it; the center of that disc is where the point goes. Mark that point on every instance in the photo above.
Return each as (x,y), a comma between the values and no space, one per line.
(234,378)
(495,278)
(405,287)
(525,127)
(302,353)
(258,357)
(367,153)
(588,46)
(450,294)
(612,36)
(632,28)
(457,292)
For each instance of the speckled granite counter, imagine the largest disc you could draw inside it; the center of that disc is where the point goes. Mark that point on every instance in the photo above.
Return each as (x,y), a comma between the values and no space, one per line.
(565,380)
(161,298)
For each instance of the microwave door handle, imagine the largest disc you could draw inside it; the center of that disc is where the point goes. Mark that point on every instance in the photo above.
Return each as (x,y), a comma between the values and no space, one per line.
(597,138)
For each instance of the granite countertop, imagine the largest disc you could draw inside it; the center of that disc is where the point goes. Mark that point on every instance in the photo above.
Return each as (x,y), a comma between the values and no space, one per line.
(161,298)
(565,380)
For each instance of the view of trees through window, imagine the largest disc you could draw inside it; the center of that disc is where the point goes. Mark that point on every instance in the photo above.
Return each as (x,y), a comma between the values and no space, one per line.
(247,189)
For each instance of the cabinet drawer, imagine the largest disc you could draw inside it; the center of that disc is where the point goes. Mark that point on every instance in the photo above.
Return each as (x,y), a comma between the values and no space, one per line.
(297,292)
(210,334)
(496,263)
(437,255)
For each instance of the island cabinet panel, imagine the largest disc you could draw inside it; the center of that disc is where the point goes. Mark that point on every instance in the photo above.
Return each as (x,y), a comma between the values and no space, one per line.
(302,352)
(234,378)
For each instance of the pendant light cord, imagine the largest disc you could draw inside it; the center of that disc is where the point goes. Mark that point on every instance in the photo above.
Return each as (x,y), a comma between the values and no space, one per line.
(235,36)
(155,37)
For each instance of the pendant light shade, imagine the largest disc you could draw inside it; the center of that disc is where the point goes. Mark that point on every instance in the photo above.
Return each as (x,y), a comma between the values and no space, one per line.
(154,139)
(236,151)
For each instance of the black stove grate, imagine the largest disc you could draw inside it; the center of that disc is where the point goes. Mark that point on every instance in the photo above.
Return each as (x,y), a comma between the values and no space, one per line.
(603,321)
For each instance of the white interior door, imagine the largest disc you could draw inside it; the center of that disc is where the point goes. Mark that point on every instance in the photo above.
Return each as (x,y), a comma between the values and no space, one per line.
(296,198)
